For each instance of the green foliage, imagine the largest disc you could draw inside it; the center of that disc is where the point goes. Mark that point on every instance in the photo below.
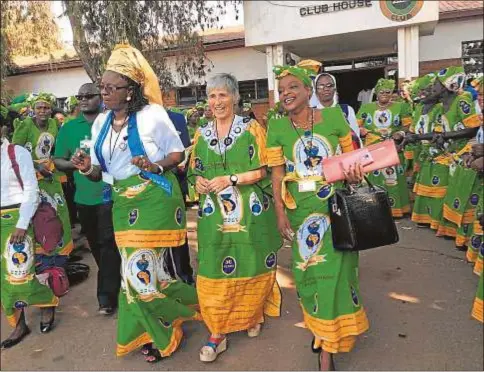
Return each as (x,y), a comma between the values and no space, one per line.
(160,29)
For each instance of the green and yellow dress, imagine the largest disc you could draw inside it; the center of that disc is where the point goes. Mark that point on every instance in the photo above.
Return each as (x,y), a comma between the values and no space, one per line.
(381,124)
(459,205)
(237,235)
(40,144)
(477,307)
(326,279)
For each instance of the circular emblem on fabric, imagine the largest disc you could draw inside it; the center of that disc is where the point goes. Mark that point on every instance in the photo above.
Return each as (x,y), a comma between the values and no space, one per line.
(237,130)
(28,146)
(324,192)
(474,199)
(354,297)
(255,204)
(376,173)
(392,201)
(266,202)
(133,217)
(228,265)
(199,165)
(251,152)
(59,199)
(208,133)
(164,323)
(246,119)
(476,241)
(383,119)
(435,180)
(213,142)
(271,260)
(44,145)
(61,243)
(364,115)
(456,203)
(228,141)
(6,216)
(309,154)
(481,251)
(178,216)
(400,10)
(465,228)
(20,305)
(465,107)
(200,211)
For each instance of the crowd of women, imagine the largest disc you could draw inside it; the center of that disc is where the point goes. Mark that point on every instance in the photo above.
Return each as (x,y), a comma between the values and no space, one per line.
(249,178)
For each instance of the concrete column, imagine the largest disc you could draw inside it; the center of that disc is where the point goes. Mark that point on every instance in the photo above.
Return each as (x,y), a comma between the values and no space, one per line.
(408,52)
(274,56)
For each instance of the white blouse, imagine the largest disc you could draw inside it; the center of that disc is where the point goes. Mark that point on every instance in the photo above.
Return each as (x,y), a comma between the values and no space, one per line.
(11,191)
(156,131)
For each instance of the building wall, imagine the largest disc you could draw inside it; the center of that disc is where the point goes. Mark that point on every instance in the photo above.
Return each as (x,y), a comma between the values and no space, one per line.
(446,41)
(61,83)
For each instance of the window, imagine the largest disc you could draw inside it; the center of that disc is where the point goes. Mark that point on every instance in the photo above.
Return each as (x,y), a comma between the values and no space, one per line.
(254,89)
(189,96)
(472,56)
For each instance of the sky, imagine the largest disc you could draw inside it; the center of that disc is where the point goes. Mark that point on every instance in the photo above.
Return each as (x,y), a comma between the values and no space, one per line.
(66,33)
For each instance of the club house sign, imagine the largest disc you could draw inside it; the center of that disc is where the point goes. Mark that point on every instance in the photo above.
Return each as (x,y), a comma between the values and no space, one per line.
(334,7)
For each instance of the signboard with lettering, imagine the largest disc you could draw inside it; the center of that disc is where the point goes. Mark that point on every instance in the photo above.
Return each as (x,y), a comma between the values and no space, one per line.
(400,10)
(334,7)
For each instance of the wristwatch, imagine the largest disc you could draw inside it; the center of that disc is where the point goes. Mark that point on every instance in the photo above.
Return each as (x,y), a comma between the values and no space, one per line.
(234,179)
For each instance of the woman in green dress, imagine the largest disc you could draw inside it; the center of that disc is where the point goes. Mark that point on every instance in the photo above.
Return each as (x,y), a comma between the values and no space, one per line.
(326,279)
(38,135)
(134,149)
(20,286)
(379,121)
(237,244)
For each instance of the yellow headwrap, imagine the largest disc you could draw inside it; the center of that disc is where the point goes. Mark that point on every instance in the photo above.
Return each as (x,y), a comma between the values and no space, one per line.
(129,62)
(303,71)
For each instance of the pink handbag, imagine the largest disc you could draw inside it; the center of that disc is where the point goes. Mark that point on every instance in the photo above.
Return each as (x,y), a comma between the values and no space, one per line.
(382,155)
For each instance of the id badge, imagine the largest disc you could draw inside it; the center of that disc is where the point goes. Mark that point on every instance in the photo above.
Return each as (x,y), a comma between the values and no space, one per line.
(108,178)
(307,186)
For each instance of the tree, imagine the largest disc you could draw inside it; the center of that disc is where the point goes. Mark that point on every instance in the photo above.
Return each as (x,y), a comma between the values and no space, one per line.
(27,29)
(160,29)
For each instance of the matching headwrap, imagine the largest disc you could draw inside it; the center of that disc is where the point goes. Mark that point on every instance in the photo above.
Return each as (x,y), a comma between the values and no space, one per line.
(19,99)
(477,83)
(201,105)
(421,83)
(129,62)
(41,97)
(71,103)
(384,84)
(453,78)
(304,70)
(190,112)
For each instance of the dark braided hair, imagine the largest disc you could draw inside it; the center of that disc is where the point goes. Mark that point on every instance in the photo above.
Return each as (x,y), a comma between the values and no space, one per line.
(138,101)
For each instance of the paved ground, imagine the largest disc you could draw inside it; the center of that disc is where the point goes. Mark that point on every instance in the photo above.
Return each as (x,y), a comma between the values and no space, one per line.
(418,295)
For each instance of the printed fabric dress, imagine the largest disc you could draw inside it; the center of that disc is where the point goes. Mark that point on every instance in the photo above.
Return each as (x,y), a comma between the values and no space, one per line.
(40,144)
(461,199)
(237,235)
(152,305)
(326,279)
(381,124)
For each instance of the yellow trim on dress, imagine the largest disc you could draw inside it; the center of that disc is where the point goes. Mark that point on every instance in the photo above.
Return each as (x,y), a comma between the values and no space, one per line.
(478,228)
(345,345)
(421,218)
(406,121)
(451,215)
(408,155)
(471,255)
(260,137)
(447,231)
(150,238)
(346,143)
(231,305)
(477,312)
(430,191)
(472,121)
(275,156)
(478,266)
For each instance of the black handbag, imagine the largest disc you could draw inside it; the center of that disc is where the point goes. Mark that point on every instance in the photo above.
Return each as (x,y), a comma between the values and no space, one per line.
(361,218)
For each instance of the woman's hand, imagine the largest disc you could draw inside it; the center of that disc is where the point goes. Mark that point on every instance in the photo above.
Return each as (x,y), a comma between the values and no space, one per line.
(201,185)
(354,174)
(219,183)
(18,236)
(81,161)
(143,163)
(284,226)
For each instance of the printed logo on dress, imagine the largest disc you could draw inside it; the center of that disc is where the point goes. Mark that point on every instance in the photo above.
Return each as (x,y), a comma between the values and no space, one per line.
(178,216)
(324,192)
(255,204)
(354,297)
(199,165)
(19,260)
(208,206)
(392,201)
(164,323)
(213,142)
(435,180)
(465,228)
(44,145)
(376,173)
(316,303)
(228,265)
(19,305)
(28,146)
(476,241)
(59,199)
(474,199)
(61,243)
(143,275)
(6,216)
(266,202)
(271,260)
(309,240)
(396,121)
(246,119)
(133,217)
(251,152)
(456,203)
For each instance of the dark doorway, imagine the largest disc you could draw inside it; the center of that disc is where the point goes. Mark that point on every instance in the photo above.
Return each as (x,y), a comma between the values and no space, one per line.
(350,83)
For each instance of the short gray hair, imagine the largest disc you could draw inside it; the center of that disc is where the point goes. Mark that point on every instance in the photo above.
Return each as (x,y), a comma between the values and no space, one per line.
(224,81)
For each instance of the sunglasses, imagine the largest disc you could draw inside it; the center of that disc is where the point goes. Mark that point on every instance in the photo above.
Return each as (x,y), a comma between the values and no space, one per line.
(86,96)
(110,89)
(322,86)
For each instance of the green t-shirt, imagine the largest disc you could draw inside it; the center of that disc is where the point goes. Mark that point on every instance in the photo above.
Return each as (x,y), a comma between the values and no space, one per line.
(68,141)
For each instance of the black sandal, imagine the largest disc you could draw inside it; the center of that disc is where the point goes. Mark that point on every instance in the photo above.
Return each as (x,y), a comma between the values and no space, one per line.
(154,356)
(146,349)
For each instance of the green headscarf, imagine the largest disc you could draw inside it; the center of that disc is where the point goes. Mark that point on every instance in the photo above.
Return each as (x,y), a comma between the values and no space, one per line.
(19,99)
(384,84)
(453,77)
(421,83)
(201,104)
(304,70)
(42,97)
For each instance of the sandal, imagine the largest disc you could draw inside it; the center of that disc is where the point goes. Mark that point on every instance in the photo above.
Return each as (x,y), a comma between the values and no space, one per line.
(153,356)
(213,348)
(146,349)
(254,331)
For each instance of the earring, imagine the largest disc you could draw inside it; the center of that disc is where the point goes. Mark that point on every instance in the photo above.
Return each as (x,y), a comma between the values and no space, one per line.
(128,99)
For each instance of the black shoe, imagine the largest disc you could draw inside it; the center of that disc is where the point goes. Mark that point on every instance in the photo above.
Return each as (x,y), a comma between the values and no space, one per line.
(106,310)
(47,327)
(9,342)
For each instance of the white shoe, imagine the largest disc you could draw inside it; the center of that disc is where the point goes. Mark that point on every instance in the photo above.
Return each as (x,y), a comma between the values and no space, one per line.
(210,352)
(254,331)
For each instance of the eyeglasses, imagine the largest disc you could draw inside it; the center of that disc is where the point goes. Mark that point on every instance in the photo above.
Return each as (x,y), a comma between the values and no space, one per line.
(86,96)
(110,89)
(322,86)
(385,92)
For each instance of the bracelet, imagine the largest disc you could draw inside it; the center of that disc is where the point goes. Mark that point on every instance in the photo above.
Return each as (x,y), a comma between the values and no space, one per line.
(88,172)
